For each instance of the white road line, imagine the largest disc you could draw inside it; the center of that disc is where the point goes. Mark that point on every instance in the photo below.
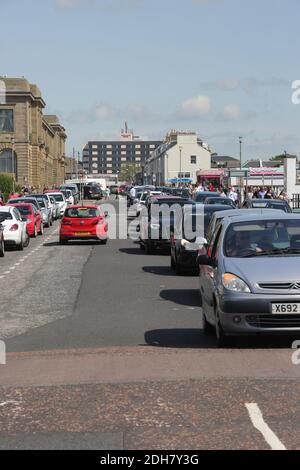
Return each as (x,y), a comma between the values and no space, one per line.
(9,402)
(259,423)
(7,272)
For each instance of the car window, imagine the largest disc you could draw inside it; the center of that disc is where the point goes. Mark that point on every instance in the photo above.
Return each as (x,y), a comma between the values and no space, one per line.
(82,212)
(5,216)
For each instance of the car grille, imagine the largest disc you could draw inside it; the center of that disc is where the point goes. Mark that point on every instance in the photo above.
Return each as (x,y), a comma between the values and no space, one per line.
(281,286)
(270,321)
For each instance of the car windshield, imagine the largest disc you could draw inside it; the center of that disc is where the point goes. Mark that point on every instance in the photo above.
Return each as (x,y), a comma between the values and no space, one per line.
(58,197)
(82,212)
(226,202)
(42,202)
(263,238)
(5,216)
(269,205)
(24,210)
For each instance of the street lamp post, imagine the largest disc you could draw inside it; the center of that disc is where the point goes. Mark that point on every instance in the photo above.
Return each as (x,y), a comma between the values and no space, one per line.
(241,166)
(180,168)
(13,160)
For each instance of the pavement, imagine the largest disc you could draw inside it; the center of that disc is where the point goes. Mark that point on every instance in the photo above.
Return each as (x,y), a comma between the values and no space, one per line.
(105,351)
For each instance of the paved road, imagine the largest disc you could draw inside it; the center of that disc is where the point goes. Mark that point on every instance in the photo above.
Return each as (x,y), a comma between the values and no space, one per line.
(106,351)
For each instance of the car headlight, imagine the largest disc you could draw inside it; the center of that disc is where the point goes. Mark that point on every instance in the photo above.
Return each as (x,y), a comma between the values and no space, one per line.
(234,283)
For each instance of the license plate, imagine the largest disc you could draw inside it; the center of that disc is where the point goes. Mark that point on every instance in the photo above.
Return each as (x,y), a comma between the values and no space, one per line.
(288,309)
(80,234)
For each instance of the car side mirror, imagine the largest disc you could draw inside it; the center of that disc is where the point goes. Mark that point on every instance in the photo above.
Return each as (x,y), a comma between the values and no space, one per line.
(24,219)
(106,214)
(138,228)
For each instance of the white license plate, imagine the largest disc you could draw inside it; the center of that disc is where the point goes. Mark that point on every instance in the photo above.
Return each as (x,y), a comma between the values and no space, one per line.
(288,309)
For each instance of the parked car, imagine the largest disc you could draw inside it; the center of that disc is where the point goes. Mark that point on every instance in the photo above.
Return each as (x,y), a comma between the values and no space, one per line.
(72,187)
(49,201)
(2,245)
(220,200)
(200,196)
(25,200)
(267,204)
(179,192)
(217,217)
(55,207)
(35,224)
(60,199)
(249,277)
(92,191)
(84,223)
(190,235)
(68,196)
(15,231)
(157,225)
(46,211)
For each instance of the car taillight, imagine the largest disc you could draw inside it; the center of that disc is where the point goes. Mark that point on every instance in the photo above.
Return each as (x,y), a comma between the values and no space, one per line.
(66,222)
(14,227)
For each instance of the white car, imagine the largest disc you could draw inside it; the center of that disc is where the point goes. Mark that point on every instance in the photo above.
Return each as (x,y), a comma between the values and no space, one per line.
(61,201)
(140,203)
(15,232)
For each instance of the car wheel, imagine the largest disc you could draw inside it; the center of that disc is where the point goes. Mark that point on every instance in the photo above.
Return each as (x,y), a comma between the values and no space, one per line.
(149,248)
(104,242)
(50,222)
(2,249)
(223,341)
(62,241)
(178,269)
(208,329)
(20,247)
(173,263)
(27,241)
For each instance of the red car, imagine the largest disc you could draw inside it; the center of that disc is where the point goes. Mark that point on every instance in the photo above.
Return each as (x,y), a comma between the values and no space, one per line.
(83,222)
(34,219)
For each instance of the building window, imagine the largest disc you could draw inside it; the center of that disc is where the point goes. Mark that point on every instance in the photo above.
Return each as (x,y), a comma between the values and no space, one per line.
(6,120)
(193,159)
(6,165)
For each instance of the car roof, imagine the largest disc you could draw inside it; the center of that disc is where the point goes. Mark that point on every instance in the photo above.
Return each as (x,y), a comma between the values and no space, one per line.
(86,206)
(241,212)
(17,204)
(255,218)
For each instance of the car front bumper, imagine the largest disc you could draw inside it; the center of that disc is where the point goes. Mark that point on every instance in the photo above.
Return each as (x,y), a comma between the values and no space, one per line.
(252,314)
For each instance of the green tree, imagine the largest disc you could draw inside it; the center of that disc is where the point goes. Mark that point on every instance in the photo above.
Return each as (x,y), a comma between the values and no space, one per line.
(6,185)
(129,171)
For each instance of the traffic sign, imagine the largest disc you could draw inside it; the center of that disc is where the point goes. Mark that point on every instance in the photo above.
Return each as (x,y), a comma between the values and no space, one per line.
(239,173)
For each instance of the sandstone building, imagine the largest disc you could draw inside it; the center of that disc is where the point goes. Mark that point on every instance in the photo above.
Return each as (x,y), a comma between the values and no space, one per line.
(32,145)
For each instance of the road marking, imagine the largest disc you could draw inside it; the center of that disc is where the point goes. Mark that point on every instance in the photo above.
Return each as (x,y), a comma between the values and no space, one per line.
(7,272)
(14,402)
(259,423)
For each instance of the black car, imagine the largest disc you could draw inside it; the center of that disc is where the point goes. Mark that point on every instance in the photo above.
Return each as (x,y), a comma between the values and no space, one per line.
(185,242)
(220,200)
(92,191)
(200,196)
(267,204)
(179,192)
(28,200)
(156,227)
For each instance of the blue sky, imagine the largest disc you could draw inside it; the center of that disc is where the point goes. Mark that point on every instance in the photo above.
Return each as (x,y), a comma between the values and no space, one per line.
(223,68)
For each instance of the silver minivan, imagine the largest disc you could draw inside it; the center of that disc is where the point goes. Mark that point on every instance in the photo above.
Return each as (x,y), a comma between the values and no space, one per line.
(250,277)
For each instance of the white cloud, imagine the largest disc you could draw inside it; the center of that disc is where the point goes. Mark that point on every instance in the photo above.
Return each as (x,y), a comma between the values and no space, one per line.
(231,111)
(195,107)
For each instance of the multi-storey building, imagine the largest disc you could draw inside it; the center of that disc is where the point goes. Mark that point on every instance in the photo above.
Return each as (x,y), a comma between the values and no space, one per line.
(108,157)
(178,159)
(32,145)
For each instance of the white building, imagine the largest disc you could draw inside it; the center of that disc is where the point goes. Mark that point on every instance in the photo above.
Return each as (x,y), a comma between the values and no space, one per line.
(178,159)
